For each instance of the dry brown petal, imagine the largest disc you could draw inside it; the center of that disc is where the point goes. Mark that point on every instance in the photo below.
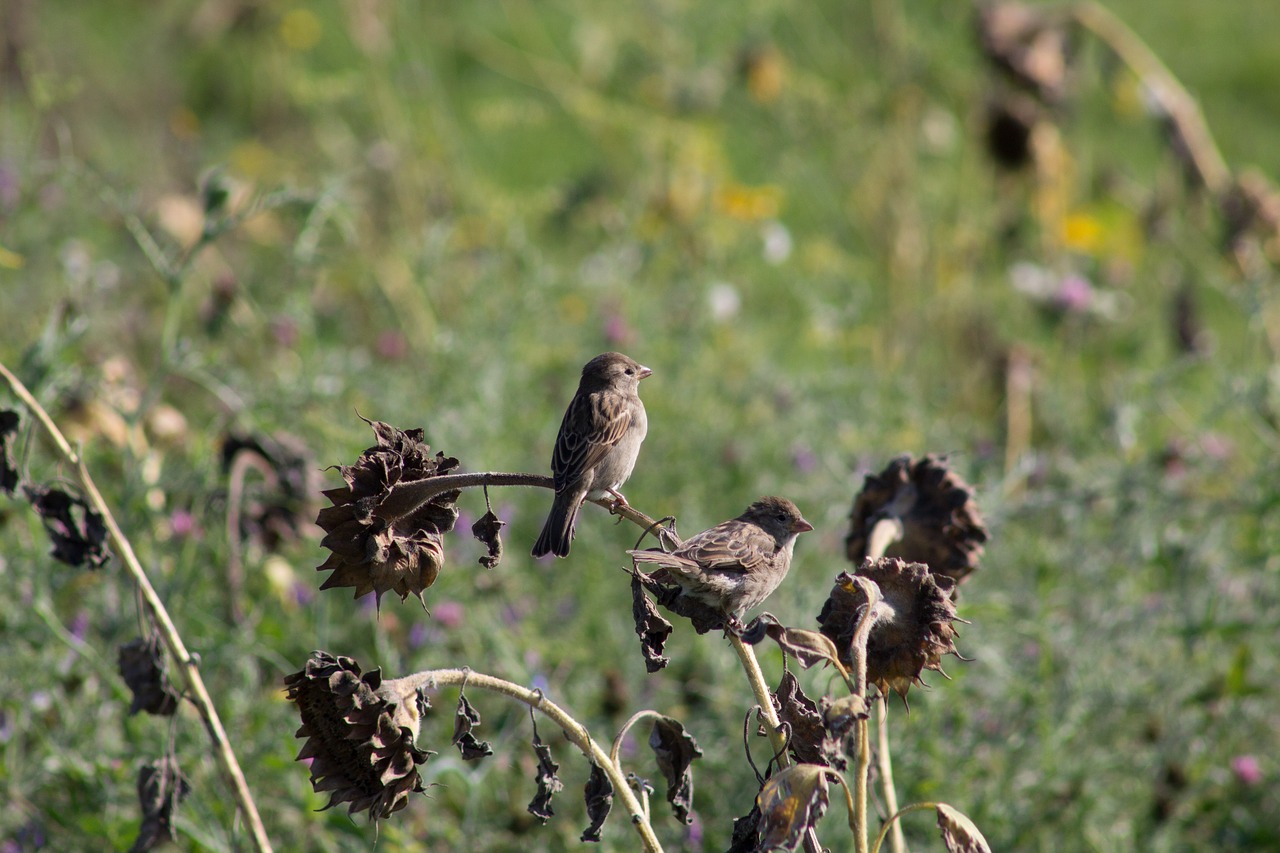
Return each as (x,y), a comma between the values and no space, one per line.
(360,734)
(959,833)
(142,666)
(941,525)
(380,538)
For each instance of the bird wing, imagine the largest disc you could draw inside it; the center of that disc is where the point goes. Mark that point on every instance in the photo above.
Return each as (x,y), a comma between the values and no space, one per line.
(592,425)
(731,546)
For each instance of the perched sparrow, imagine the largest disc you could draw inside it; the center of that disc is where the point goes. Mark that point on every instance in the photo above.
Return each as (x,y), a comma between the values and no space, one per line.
(735,565)
(599,440)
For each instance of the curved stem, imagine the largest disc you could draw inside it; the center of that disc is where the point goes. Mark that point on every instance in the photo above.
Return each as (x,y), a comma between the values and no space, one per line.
(1181,108)
(419,492)
(616,751)
(885,532)
(894,821)
(196,691)
(574,731)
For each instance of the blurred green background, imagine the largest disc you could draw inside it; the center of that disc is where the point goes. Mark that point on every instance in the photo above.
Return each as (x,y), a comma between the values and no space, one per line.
(233,217)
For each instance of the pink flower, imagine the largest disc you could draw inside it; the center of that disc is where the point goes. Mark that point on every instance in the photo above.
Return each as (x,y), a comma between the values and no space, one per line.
(448,613)
(1246,769)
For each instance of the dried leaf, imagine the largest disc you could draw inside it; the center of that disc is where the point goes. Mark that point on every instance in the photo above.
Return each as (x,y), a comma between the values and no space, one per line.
(599,797)
(810,742)
(142,665)
(959,833)
(703,617)
(792,802)
(78,532)
(675,750)
(486,530)
(8,470)
(807,647)
(746,832)
(651,627)
(464,720)
(549,783)
(161,786)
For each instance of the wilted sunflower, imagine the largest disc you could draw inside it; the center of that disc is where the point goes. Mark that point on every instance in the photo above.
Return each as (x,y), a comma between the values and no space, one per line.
(360,734)
(913,627)
(941,525)
(381,537)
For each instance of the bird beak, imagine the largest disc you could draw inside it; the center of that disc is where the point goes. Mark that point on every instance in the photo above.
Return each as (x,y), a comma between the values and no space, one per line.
(644,371)
(801,526)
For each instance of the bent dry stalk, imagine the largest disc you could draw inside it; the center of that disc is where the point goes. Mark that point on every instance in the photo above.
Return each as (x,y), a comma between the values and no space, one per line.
(197,693)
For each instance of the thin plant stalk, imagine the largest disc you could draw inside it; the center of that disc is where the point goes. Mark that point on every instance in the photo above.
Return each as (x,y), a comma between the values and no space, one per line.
(196,692)
(886,532)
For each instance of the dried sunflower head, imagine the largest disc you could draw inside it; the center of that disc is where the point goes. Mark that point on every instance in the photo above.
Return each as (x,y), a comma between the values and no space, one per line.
(941,524)
(360,734)
(913,627)
(380,537)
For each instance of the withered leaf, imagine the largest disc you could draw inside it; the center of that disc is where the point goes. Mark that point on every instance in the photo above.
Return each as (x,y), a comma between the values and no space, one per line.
(807,647)
(142,665)
(599,797)
(746,832)
(486,530)
(675,750)
(464,720)
(810,742)
(8,470)
(959,833)
(78,532)
(549,783)
(703,617)
(791,802)
(651,627)
(161,786)
(275,511)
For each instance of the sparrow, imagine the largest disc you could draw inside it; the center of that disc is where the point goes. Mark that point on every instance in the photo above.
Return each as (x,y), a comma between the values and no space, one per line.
(596,449)
(737,564)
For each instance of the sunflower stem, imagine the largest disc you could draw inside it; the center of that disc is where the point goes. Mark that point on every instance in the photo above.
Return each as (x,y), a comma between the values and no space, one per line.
(885,532)
(196,691)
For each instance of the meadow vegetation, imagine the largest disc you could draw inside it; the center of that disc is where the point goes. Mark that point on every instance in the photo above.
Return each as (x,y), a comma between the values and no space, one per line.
(228,228)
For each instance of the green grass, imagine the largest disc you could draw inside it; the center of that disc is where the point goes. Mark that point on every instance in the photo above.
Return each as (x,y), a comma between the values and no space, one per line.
(488,195)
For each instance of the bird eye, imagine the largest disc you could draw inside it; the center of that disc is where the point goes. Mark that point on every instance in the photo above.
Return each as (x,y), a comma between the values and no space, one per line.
(630,372)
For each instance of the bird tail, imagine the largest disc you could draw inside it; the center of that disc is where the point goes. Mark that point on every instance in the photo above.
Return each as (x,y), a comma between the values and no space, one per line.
(557,531)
